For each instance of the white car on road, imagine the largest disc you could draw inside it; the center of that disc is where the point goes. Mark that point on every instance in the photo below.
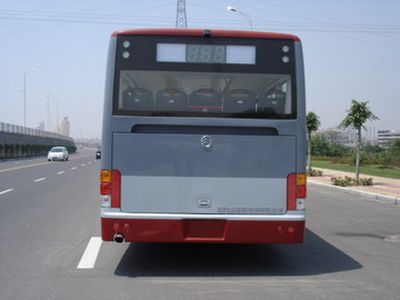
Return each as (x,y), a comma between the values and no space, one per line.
(58,153)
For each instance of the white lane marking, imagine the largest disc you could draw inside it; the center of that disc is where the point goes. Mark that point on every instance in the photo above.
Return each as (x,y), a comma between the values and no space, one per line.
(89,257)
(61,172)
(23,167)
(6,191)
(89,162)
(82,165)
(39,179)
(73,168)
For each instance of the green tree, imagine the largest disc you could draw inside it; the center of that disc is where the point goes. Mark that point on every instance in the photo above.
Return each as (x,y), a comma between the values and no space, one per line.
(394,148)
(394,152)
(319,145)
(357,115)
(374,149)
(313,124)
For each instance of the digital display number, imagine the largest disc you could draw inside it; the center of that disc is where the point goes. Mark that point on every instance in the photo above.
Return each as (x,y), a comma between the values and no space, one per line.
(211,54)
(206,54)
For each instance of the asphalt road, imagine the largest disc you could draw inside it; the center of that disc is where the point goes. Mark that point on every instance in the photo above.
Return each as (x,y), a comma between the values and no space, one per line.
(46,225)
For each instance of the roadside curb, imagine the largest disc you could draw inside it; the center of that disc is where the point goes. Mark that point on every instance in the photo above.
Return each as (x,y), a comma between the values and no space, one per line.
(369,195)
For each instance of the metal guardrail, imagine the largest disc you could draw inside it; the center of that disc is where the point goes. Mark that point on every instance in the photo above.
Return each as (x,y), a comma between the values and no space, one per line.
(16,129)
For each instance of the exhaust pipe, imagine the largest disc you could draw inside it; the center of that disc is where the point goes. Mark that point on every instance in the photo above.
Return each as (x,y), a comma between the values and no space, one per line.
(119,238)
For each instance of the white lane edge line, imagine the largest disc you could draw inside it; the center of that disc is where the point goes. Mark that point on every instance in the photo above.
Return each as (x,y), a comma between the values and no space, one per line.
(89,257)
(6,191)
(73,168)
(39,179)
(61,172)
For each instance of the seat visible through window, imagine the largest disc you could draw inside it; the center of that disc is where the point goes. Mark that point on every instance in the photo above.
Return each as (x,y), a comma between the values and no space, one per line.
(272,102)
(137,99)
(239,100)
(171,100)
(205,100)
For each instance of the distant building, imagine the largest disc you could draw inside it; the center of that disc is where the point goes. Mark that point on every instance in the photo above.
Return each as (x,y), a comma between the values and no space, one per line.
(344,137)
(88,142)
(386,137)
(348,136)
(64,127)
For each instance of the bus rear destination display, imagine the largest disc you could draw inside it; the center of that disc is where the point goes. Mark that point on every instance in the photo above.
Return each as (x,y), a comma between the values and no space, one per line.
(208,54)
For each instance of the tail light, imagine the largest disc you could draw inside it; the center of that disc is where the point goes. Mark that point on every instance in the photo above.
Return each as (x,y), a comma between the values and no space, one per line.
(110,188)
(296,190)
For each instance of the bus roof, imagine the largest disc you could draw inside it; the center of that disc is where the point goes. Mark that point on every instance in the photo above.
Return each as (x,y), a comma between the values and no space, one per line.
(207,32)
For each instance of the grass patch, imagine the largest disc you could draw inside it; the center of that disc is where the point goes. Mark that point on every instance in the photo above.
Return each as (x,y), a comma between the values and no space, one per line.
(373,170)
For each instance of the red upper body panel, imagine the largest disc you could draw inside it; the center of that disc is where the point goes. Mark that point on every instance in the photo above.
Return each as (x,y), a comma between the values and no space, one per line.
(212,32)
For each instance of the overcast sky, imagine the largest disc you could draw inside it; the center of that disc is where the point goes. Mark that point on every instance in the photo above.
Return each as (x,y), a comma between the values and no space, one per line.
(351,51)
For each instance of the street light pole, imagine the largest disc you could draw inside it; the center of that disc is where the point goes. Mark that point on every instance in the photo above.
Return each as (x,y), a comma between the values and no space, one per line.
(48,111)
(246,17)
(58,103)
(57,125)
(48,106)
(25,75)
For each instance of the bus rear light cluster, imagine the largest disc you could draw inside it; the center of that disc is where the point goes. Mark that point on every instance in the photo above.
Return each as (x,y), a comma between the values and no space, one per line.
(110,188)
(296,190)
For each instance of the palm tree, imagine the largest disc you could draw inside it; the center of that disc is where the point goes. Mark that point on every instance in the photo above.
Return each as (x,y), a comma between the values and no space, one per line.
(358,114)
(312,125)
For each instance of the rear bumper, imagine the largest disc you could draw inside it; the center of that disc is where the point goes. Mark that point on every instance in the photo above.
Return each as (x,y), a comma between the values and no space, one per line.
(57,157)
(202,230)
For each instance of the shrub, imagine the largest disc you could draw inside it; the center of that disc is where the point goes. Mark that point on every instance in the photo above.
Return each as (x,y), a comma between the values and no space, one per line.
(314,172)
(366,181)
(385,159)
(348,181)
(321,146)
(339,181)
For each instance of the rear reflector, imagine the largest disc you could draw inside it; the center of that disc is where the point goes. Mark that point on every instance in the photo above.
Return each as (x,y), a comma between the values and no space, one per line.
(110,185)
(296,188)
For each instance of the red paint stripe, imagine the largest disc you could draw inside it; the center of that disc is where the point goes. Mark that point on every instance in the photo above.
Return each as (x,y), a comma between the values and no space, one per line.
(204,231)
(214,33)
(204,106)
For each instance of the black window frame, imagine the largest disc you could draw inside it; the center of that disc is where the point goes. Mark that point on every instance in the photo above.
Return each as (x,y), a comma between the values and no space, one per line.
(269,53)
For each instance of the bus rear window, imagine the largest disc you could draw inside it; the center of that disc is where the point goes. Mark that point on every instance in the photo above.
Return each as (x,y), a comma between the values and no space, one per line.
(181,93)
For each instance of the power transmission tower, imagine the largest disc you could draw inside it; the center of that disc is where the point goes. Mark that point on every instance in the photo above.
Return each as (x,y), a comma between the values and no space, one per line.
(181,19)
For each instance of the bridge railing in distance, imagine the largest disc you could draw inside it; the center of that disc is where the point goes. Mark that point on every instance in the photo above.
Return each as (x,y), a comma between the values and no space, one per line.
(16,129)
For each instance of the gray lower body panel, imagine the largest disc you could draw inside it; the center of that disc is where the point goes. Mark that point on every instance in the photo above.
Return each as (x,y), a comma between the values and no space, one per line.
(152,194)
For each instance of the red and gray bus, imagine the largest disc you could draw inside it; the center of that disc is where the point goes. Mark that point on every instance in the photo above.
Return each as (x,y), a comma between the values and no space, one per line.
(203,137)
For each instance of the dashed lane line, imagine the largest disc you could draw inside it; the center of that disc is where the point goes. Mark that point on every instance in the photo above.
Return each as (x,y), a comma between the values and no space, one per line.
(6,191)
(89,257)
(34,165)
(82,165)
(73,168)
(61,172)
(39,179)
